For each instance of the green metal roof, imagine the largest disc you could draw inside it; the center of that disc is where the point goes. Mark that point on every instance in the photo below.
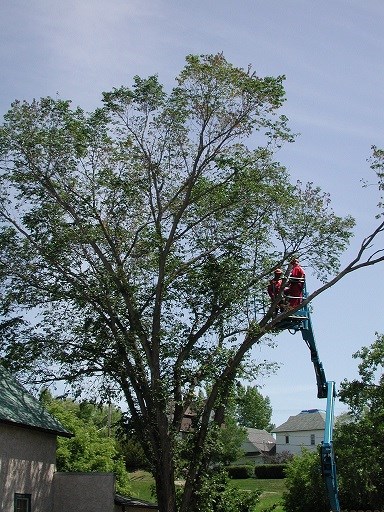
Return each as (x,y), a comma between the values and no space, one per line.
(19,407)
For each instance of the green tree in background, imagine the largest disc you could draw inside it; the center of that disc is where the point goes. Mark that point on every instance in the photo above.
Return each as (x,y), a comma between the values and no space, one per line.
(253,409)
(359,442)
(136,242)
(94,446)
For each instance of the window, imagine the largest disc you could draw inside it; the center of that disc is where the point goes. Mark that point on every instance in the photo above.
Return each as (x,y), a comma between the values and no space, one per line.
(286,439)
(313,439)
(22,502)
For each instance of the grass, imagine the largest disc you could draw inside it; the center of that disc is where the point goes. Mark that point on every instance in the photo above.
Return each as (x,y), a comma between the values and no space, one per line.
(142,485)
(271,490)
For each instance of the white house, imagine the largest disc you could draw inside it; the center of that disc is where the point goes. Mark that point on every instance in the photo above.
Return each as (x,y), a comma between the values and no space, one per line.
(303,430)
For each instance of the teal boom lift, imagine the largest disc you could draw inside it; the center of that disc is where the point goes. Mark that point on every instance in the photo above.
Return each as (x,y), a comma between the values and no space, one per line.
(301,321)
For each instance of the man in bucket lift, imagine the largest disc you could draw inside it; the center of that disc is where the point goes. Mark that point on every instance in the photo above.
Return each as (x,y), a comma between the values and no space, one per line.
(274,288)
(294,290)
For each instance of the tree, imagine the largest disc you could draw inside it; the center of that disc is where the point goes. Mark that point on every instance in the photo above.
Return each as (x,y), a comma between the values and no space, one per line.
(136,241)
(359,442)
(92,448)
(253,409)
(305,488)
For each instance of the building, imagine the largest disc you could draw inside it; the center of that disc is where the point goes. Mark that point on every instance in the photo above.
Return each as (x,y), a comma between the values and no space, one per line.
(259,444)
(303,430)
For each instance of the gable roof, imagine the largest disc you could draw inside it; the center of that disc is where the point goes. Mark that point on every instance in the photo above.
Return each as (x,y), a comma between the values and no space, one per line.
(312,419)
(259,441)
(19,407)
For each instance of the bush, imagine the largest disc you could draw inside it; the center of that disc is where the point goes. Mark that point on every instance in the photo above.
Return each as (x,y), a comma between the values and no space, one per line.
(270,471)
(245,471)
(215,495)
(305,487)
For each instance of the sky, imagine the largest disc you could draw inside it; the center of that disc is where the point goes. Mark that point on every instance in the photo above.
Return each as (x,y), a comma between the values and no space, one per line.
(331,55)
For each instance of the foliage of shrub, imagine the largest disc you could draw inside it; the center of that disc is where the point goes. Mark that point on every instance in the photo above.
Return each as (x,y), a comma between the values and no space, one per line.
(214,495)
(245,471)
(270,471)
(305,487)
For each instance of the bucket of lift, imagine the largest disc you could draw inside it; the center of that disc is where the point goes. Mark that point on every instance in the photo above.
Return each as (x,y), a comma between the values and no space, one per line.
(294,322)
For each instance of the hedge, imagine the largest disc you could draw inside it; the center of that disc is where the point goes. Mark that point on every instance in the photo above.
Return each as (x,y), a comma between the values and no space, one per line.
(245,471)
(270,471)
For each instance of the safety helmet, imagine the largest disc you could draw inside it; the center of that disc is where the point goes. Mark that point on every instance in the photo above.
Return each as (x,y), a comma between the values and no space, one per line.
(278,271)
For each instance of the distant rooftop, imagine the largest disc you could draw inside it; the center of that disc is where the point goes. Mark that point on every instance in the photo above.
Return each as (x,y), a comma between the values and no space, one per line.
(19,407)
(258,440)
(309,419)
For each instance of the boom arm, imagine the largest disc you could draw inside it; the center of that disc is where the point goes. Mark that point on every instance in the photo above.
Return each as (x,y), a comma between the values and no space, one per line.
(309,338)
(301,321)
(328,464)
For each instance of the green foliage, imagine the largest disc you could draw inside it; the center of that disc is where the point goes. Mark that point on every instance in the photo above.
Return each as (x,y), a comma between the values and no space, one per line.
(357,443)
(134,455)
(360,459)
(215,495)
(245,471)
(305,487)
(140,236)
(269,471)
(93,447)
(253,409)
(231,437)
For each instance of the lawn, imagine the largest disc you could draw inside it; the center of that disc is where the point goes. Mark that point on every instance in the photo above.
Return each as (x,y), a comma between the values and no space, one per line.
(142,485)
(272,490)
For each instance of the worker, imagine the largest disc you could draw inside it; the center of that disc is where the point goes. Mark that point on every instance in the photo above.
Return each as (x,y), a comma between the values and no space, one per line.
(274,288)
(294,290)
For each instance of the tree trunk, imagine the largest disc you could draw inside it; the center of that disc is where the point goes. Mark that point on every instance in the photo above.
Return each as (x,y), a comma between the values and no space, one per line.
(164,469)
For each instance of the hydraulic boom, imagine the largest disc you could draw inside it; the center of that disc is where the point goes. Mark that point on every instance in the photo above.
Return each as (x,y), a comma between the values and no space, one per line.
(301,321)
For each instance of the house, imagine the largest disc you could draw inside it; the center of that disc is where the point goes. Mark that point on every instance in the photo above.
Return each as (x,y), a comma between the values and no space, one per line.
(28,477)
(306,429)
(259,443)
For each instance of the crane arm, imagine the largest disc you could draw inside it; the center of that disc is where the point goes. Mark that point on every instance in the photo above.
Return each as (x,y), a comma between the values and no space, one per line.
(301,321)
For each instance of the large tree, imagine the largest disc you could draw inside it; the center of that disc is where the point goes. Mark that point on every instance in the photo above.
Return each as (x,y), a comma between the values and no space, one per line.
(136,241)
(253,409)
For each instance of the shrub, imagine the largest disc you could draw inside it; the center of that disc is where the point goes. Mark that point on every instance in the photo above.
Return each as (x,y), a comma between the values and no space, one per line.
(305,487)
(245,471)
(270,471)
(215,495)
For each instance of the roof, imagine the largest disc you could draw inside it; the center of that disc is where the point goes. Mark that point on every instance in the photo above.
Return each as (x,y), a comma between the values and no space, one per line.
(19,407)
(312,419)
(258,441)
(134,502)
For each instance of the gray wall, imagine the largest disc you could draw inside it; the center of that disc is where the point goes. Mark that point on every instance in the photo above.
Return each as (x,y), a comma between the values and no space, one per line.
(84,492)
(27,465)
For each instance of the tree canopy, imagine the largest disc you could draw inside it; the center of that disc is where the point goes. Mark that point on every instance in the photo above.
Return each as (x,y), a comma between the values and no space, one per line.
(253,409)
(94,446)
(136,241)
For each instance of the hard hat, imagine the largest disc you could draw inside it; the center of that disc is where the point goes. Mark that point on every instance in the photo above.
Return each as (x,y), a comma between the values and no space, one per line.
(278,271)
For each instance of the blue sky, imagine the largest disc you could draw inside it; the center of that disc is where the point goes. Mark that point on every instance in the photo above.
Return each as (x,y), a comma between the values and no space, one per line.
(331,53)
